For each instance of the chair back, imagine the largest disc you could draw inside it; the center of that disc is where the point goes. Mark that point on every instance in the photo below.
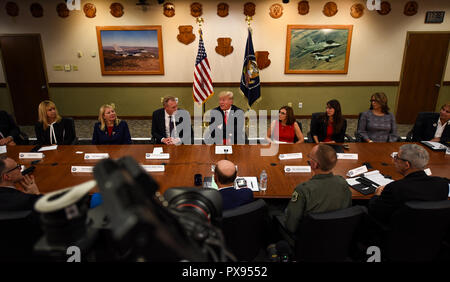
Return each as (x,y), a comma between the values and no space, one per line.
(245,229)
(417,231)
(358,137)
(19,232)
(327,236)
(314,116)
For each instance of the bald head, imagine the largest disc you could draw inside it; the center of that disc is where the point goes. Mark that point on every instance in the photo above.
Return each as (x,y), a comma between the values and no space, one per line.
(225,173)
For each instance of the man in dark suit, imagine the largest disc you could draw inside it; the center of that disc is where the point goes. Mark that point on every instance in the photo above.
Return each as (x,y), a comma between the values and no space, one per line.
(9,131)
(433,126)
(229,115)
(224,176)
(410,161)
(170,125)
(11,198)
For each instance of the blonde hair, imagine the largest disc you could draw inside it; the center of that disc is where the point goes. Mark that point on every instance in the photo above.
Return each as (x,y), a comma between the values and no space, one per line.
(101,112)
(42,111)
(228,94)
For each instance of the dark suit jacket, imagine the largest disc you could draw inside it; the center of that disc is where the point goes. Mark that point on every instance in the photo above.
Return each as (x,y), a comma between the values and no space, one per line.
(424,128)
(239,130)
(8,126)
(14,200)
(319,129)
(159,126)
(120,135)
(233,198)
(64,132)
(416,186)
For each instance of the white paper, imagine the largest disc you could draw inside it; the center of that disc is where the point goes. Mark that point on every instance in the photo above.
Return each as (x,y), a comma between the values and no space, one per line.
(48,148)
(342,156)
(79,152)
(252,182)
(297,169)
(82,169)
(224,150)
(435,145)
(290,156)
(160,156)
(394,154)
(2,149)
(357,171)
(352,181)
(31,155)
(378,178)
(153,168)
(427,171)
(99,156)
(157,150)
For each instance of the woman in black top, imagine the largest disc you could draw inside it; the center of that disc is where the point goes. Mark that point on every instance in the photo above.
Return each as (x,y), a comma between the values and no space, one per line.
(52,128)
(330,126)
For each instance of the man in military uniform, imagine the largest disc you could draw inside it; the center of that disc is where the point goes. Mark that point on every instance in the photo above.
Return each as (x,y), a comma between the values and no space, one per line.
(322,193)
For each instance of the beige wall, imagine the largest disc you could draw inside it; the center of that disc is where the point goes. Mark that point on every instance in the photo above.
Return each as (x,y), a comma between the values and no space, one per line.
(376,51)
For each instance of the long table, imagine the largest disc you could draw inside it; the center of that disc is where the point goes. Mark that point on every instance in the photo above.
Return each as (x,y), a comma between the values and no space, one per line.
(53,172)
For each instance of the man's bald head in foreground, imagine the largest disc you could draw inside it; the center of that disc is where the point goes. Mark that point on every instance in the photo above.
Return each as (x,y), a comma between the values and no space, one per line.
(225,173)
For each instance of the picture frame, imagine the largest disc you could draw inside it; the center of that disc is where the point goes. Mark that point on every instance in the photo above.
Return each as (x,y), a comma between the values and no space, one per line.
(130,50)
(318,49)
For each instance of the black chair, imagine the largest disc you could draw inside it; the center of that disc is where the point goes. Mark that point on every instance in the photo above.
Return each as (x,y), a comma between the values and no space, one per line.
(413,134)
(416,231)
(20,230)
(358,137)
(326,237)
(72,124)
(245,229)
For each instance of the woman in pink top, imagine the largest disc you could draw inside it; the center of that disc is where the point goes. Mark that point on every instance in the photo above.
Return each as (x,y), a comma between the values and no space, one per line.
(286,128)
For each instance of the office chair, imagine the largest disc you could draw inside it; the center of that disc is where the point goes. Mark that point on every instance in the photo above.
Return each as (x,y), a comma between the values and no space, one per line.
(20,230)
(417,230)
(327,236)
(245,229)
(72,124)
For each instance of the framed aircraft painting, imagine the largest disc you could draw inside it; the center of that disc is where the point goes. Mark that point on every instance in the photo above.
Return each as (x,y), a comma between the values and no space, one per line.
(130,50)
(318,48)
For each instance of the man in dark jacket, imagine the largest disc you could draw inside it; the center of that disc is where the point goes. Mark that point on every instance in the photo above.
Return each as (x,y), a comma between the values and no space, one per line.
(433,126)
(410,161)
(9,131)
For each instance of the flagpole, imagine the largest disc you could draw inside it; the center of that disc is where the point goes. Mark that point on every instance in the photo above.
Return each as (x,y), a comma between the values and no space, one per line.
(200,22)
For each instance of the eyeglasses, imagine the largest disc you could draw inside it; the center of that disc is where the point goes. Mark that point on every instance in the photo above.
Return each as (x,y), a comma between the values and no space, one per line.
(12,169)
(396,157)
(373,100)
(282,113)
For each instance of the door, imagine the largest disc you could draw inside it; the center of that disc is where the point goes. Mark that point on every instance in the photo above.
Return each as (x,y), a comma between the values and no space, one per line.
(25,74)
(422,74)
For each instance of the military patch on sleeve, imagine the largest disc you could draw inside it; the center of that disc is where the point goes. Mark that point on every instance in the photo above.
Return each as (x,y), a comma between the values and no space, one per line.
(294,197)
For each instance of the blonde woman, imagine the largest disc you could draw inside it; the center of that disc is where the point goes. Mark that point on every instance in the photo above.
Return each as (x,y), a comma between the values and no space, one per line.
(52,128)
(110,130)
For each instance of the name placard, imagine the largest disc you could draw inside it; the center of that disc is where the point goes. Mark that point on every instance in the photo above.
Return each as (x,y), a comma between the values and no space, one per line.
(297,169)
(160,156)
(96,156)
(357,171)
(224,150)
(31,155)
(153,168)
(343,156)
(82,169)
(290,156)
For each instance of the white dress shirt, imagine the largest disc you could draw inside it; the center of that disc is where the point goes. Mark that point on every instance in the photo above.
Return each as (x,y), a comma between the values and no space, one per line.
(440,128)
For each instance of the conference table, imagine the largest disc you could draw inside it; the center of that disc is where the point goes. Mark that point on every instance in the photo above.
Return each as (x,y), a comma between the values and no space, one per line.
(53,171)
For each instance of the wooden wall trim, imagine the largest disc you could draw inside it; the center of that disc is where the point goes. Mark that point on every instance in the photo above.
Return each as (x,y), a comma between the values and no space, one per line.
(226,84)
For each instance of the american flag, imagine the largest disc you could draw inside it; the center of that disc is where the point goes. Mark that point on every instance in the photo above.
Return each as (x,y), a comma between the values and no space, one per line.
(202,88)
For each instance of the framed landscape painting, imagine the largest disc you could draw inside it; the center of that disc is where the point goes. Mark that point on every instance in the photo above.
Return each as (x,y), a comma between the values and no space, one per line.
(130,50)
(318,48)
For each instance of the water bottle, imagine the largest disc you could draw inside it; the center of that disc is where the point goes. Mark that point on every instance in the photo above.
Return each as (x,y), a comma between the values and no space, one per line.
(263,181)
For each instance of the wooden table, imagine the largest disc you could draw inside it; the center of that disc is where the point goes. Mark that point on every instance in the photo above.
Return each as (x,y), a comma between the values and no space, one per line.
(53,172)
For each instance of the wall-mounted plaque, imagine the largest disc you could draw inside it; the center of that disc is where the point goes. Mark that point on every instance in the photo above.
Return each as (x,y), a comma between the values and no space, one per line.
(385,8)
(62,10)
(36,10)
(222,9)
(249,9)
(224,47)
(303,7)
(276,11)
(262,59)
(185,35)
(357,10)
(116,9)
(196,9)
(330,9)
(169,10)
(12,9)
(411,8)
(89,10)
(434,17)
